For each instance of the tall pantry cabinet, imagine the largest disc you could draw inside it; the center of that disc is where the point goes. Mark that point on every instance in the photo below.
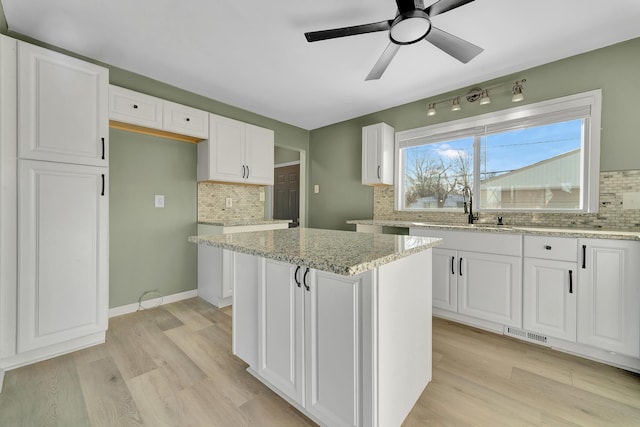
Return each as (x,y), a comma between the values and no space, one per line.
(58,300)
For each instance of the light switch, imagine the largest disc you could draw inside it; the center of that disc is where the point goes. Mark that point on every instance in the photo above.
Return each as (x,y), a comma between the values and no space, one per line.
(159,201)
(316,188)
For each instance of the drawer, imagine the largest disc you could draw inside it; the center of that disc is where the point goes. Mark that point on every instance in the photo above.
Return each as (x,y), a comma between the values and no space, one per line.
(557,248)
(135,108)
(185,120)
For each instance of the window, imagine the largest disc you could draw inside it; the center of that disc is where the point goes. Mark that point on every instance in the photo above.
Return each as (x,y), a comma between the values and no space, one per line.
(539,157)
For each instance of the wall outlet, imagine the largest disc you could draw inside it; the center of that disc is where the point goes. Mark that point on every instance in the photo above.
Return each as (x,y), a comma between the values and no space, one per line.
(261,197)
(159,201)
(316,188)
(228,202)
(631,200)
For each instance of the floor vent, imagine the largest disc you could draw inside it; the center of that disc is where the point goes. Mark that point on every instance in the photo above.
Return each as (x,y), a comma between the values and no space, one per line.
(526,335)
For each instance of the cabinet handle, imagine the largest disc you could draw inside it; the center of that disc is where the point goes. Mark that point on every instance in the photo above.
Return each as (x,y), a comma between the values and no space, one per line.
(460,267)
(244,171)
(248,172)
(135,106)
(295,276)
(547,247)
(304,279)
(378,171)
(453,259)
(102,192)
(584,256)
(102,148)
(570,281)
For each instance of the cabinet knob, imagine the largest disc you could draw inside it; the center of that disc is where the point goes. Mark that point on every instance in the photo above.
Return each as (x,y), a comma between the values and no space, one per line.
(188,119)
(547,247)
(135,107)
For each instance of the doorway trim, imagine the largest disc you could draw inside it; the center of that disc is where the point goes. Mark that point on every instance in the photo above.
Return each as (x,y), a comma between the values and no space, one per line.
(303,187)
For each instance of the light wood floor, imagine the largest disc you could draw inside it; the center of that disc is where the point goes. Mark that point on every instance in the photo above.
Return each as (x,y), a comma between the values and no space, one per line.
(172,366)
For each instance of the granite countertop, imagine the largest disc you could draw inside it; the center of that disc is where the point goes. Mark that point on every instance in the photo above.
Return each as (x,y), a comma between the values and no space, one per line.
(342,252)
(243,222)
(594,233)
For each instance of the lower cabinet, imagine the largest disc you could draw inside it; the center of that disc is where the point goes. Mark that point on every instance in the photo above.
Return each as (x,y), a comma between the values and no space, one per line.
(609,281)
(310,339)
(215,275)
(482,283)
(63,284)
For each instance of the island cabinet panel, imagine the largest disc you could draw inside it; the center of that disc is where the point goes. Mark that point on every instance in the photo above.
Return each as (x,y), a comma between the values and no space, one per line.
(445,279)
(310,339)
(608,280)
(245,308)
(281,328)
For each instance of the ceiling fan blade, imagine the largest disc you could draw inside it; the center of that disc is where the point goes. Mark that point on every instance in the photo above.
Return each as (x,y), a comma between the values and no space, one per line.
(383,62)
(460,49)
(315,36)
(407,5)
(443,6)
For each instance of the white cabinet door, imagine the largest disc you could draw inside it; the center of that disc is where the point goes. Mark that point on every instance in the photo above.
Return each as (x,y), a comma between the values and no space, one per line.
(445,284)
(332,347)
(63,252)
(377,154)
(63,108)
(608,280)
(185,120)
(281,328)
(549,297)
(221,158)
(259,154)
(490,287)
(128,106)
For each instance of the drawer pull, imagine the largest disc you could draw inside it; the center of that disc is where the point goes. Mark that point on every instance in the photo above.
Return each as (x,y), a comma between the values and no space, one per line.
(570,281)
(547,247)
(295,276)
(460,267)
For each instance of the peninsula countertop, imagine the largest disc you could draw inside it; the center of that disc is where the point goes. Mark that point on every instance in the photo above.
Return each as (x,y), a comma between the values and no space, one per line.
(342,252)
(535,230)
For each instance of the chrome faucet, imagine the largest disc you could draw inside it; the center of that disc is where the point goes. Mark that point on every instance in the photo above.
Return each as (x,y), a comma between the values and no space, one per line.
(467,191)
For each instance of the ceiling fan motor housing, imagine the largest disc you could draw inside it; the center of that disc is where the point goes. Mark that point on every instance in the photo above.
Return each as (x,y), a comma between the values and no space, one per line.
(410,27)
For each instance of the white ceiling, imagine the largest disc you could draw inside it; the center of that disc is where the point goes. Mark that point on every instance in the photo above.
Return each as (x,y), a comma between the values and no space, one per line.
(254,55)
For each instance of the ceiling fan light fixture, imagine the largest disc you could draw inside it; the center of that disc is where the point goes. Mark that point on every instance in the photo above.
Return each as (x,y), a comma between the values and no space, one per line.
(456,104)
(410,27)
(431,111)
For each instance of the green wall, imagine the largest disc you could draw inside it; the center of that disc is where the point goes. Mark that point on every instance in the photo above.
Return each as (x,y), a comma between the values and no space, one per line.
(336,149)
(285,155)
(148,246)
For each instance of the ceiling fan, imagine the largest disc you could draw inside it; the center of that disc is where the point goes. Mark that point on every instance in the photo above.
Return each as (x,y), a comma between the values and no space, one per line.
(411,25)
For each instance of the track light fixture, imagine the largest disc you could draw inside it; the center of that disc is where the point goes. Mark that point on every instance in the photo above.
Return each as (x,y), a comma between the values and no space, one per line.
(456,104)
(481,94)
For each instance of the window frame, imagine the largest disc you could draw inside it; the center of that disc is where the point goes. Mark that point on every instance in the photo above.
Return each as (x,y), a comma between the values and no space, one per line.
(558,108)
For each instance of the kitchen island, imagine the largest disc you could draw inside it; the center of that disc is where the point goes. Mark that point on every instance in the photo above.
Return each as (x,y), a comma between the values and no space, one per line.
(338,323)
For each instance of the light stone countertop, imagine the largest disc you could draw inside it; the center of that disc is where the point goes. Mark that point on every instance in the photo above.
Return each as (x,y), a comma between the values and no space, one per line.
(511,229)
(243,222)
(342,252)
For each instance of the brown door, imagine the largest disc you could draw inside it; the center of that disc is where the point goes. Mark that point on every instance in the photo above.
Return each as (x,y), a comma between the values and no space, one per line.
(286,193)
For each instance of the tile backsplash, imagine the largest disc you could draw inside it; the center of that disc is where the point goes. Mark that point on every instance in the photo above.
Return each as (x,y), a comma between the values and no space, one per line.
(611,216)
(246,204)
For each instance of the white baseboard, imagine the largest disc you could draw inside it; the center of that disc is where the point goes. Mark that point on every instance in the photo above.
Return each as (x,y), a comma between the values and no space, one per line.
(132,308)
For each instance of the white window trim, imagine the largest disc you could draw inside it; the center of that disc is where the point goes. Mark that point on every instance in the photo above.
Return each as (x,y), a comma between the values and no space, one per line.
(590,151)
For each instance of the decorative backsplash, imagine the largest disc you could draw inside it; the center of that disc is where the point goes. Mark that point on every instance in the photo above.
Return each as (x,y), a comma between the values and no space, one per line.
(246,204)
(611,216)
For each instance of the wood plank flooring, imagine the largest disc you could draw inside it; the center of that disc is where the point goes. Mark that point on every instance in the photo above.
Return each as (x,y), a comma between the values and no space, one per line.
(172,366)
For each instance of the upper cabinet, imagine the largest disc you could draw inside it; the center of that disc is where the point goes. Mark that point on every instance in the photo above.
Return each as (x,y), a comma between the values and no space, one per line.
(377,154)
(134,108)
(62,105)
(236,152)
